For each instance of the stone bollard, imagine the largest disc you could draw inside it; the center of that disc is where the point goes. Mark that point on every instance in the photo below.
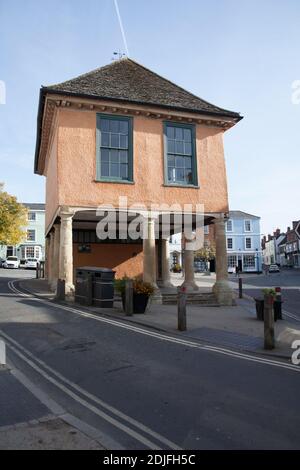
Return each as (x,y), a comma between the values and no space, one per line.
(269,339)
(181,308)
(129,297)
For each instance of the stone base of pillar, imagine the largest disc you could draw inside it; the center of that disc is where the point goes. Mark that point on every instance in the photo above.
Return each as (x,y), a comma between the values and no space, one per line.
(70,290)
(165,284)
(190,286)
(223,293)
(156,297)
(53,285)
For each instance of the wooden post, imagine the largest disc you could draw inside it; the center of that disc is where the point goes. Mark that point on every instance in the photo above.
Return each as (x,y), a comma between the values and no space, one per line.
(269,342)
(279,299)
(129,297)
(61,289)
(240,288)
(37,270)
(181,309)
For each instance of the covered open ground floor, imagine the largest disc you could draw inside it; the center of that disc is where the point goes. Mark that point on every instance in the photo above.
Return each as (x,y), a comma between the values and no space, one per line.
(133,247)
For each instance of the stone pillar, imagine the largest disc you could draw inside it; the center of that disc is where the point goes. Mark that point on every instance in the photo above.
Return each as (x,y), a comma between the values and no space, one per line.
(221,288)
(189,271)
(66,249)
(56,250)
(47,257)
(149,251)
(50,258)
(165,263)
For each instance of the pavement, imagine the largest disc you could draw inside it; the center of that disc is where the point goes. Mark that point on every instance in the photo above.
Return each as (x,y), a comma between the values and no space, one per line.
(234,327)
(28,420)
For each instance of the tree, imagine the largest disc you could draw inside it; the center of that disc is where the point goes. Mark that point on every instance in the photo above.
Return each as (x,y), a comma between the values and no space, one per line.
(206,253)
(13,219)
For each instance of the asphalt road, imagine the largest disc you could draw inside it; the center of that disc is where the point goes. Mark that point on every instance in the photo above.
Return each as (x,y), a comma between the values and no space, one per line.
(142,389)
(287,279)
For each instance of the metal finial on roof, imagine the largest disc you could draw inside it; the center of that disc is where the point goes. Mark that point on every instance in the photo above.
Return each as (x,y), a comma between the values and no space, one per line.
(118,55)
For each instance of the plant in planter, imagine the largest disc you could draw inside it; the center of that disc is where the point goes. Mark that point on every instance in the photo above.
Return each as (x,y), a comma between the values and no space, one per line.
(141,293)
(176,268)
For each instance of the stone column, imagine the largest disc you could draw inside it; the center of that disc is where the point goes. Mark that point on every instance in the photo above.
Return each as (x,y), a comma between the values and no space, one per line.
(221,288)
(50,259)
(165,263)
(149,251)
(66,249)
(56,250)
(189,271)
(47,257)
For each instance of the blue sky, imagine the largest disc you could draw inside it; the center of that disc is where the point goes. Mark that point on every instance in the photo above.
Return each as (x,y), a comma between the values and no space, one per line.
(242,55)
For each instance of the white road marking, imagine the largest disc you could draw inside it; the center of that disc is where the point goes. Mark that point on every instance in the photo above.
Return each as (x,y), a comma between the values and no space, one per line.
(165,337)
(32,362)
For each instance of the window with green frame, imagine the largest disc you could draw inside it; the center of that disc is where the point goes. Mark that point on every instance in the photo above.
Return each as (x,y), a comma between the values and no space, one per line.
(114,148)
(180,154)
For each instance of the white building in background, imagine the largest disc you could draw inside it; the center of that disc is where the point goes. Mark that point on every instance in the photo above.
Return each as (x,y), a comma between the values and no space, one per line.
(34,244)
(271,248)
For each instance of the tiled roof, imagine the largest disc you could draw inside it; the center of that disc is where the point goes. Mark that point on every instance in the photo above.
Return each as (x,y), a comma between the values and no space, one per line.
(242,215)
(34,206)
(128,81)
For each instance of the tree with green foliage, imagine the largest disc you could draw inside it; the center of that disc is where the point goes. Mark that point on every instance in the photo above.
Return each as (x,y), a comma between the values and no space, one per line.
(13,219)
(206,253)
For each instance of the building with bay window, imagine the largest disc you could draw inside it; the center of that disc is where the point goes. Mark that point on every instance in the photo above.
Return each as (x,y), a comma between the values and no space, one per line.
(243,242)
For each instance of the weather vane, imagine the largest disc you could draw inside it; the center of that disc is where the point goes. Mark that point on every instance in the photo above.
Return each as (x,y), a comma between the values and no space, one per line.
(118,55)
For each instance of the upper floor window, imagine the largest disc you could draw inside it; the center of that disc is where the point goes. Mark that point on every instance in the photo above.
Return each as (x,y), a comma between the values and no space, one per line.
(180,154)
(31,216)
(248,243)
(229,243)
(248,227)
(30,235)
(229,226)
(114,148)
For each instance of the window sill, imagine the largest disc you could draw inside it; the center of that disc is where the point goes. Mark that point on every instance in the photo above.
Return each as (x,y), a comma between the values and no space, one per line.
(114,181)
(177,185)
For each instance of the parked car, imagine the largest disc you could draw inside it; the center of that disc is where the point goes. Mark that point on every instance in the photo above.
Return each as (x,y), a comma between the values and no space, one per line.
(273,268)
(31,263)
(11,262)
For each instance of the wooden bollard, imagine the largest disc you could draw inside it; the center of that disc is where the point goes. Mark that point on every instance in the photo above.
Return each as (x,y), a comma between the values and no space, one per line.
(129,297)
(181,309)
(240,288)
(269,339)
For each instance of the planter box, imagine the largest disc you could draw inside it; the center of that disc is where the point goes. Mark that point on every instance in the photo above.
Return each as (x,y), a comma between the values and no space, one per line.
(140,302)
(260,309)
